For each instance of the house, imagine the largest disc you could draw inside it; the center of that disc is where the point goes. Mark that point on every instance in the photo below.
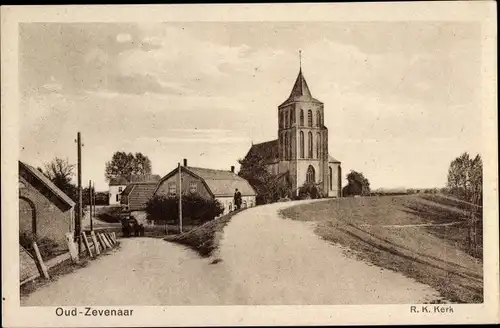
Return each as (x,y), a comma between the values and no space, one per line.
(208,183)
(136,195)
(45,212)
(118,185)
(301,149)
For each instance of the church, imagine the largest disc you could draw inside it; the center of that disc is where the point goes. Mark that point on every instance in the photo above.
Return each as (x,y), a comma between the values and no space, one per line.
(301,150)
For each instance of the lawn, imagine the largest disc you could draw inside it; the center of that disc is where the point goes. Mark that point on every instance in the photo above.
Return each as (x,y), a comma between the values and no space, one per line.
(383,231)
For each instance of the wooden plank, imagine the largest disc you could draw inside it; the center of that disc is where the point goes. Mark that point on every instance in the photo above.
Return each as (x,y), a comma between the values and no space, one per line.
(86,243)
(105,241)
(113,234)
(39,262)
(96,244)
(110,239)
(101,241)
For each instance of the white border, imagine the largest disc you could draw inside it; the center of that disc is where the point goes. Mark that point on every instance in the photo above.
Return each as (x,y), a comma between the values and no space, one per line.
(15,316)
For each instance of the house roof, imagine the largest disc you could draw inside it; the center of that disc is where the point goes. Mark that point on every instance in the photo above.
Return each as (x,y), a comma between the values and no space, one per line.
(121,181)
(219,183)
(332,160)
(300,91)
(268,151)
(46,181)
(137,194)
(223,183)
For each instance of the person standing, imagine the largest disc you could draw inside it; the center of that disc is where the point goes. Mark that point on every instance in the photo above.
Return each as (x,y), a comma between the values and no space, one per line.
(237,199)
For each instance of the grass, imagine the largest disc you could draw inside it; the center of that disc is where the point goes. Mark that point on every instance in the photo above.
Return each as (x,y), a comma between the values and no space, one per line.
(435,256)
(205,238)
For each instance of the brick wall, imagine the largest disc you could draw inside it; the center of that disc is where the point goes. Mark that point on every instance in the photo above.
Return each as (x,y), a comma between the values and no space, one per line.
(53,217)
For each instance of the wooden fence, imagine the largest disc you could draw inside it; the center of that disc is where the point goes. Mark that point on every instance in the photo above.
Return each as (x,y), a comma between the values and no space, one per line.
(94,243)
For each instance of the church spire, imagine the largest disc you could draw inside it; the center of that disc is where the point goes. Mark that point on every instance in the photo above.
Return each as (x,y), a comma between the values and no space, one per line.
(300,60)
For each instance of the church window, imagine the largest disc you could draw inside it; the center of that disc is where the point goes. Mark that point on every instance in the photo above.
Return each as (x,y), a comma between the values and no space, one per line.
(286,119)
(318,118)
(290,146)
(309,118)
(301,144)
(285,148)
(310,145)
(301,117)
(318,145)
(331,178)
(310,175)
(282,120)
(292,114)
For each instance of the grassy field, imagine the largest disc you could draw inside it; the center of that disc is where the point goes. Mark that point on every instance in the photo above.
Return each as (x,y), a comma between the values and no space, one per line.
(203,239)
(422,237)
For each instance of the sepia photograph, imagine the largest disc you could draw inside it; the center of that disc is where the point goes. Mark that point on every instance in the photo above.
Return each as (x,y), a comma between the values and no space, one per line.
(251,162)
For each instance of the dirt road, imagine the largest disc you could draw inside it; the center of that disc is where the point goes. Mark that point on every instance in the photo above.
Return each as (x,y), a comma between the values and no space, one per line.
(265,260)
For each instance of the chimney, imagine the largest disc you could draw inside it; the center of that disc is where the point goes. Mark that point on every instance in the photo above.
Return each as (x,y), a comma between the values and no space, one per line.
(232,169)
(185,162)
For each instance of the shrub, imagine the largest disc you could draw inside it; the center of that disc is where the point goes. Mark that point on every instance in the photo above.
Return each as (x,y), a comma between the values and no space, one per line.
(309,191)
(110,214)
(194,207)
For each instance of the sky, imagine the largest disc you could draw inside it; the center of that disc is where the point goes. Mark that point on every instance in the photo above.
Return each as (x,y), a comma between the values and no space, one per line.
(401,98)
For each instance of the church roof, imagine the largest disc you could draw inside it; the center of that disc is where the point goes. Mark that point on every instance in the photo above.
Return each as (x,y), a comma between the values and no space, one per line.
(300,91)
(268,151)
(332,160)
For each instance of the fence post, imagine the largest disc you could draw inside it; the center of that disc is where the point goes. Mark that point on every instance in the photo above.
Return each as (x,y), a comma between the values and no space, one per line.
(96,244)
(72,247)
(39,262)
(86,242)
(105,241)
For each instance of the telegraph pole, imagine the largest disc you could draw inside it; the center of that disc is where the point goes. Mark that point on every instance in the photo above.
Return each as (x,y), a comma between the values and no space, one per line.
(78,226)
(180,197)
(90,203)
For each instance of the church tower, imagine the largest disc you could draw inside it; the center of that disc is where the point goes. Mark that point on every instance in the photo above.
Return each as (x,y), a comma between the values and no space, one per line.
(303,138)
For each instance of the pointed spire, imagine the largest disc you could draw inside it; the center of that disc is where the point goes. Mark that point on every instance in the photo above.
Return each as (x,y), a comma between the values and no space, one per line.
(300,60)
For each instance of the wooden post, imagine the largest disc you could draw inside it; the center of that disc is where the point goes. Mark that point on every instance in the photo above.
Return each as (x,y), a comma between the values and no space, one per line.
(105,241)
(72,247)
(101,241)
(86,243)
(96,244)
(108,238)
(114,236)
(39,262)
(79,178)
(180,197)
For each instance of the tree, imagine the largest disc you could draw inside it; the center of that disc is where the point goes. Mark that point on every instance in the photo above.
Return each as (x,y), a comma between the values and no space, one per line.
(465,178)
(269,187)
(123,165)
(357,184)
(61,172)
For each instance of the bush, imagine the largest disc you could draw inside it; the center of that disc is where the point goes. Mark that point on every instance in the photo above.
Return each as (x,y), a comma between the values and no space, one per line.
(309,191)
(110,214)
(194,207)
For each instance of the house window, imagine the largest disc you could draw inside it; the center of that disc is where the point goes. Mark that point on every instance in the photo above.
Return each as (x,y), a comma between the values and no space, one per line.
(193,187)
(310,145)
(117,197)
(172,189)
(309,118)
(301,144)
(301,117)
(244,204)
(230,207)
(120,189)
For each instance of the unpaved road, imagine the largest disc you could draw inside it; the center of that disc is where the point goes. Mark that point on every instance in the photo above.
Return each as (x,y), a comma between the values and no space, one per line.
(265,260)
